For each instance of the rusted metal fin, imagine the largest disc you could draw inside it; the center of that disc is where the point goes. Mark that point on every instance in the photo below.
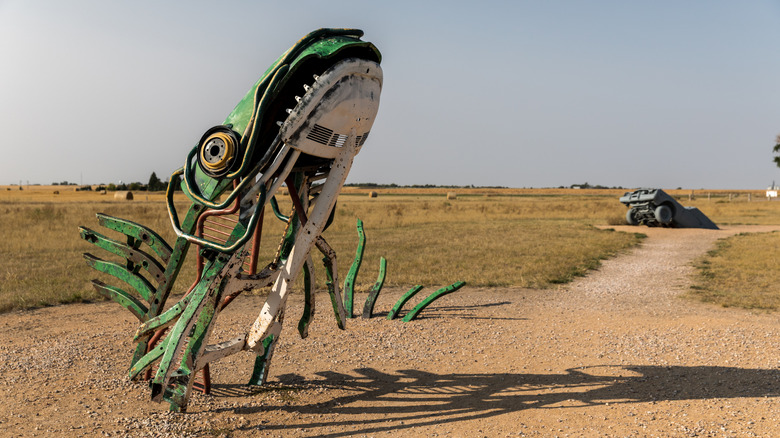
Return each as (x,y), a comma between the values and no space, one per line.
(148,359)
(162,321)
(335,301)
(137,231)
(139,283)
(187,337)
(373,294)
(123,298)
(400,303)
(138,257)
(308,303)
(179,338)
(332,281)
(431,298)
(179,381)
(349,281)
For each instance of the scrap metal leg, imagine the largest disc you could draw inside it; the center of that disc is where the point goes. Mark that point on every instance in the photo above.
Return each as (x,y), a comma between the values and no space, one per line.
(304,241)
(373,294)
(401,301)
(431,298)
(332,280)
(349,282)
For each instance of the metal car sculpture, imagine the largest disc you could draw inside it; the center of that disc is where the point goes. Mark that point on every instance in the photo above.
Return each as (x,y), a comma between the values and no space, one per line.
(655,208)
(301,124)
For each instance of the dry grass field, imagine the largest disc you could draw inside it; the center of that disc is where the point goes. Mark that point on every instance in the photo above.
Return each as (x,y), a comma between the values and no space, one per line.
(486,237)
(616,353)
(740,272)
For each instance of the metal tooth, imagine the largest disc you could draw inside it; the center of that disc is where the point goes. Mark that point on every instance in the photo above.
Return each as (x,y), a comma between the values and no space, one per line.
(279,124)
(298,99)
(289,111)
(306,87)
(316,77)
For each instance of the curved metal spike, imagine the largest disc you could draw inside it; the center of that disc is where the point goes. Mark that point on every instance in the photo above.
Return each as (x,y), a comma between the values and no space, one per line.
(138,282)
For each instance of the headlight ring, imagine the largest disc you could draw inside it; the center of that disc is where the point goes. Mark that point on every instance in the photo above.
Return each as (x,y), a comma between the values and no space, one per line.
(217,151)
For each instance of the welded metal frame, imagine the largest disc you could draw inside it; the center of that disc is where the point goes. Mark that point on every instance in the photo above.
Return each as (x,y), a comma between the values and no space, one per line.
(315,142)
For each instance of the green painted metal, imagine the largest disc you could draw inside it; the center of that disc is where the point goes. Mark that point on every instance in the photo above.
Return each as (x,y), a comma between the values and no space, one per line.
(148,359)
(204,294)
(176,260)
(431,298)
(401,301)
(137,235)
(137,259)
(245,109)
(251,117)
(260,369)
(295,225)
(136,256)
(190,330)
(178,390)
(123,298)
(184,328)
(175,263)
(137,231)
(373,294)
(162,321)
(330,284)
(349,281)
(177,338)
(277,213)
(319,44)
(308,301)
(139,283)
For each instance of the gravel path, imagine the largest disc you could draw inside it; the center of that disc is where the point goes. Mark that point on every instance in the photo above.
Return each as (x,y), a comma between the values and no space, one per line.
(616,353)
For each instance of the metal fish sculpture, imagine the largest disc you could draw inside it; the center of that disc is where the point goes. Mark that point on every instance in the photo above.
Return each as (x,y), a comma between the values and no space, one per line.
(301,124)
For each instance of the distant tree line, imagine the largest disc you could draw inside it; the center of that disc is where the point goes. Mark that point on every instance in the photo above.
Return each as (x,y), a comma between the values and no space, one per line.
(154,185)
(588,186)
(434,186)
(417,186)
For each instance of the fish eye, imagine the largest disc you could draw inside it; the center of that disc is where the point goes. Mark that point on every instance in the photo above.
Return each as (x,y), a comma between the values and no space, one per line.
(218,151)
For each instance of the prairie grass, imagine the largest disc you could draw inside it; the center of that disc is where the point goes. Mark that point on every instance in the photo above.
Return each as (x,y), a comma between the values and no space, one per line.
(41,248)
(488,239)
(741,272)
(529,241)
(485,241)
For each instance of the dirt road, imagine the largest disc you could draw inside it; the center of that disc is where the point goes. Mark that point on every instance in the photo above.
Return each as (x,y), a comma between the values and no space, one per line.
(617,353)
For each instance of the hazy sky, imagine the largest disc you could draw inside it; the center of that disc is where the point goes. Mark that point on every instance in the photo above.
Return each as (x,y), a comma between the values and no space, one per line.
(512,93)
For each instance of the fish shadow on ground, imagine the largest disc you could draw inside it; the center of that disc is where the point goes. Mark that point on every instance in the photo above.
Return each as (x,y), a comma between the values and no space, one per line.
(413,398)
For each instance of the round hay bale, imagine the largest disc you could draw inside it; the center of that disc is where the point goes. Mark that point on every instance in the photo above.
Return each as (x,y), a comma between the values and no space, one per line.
(56,192)
(102,192)
(123,196)
(373,194)
(452,195)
